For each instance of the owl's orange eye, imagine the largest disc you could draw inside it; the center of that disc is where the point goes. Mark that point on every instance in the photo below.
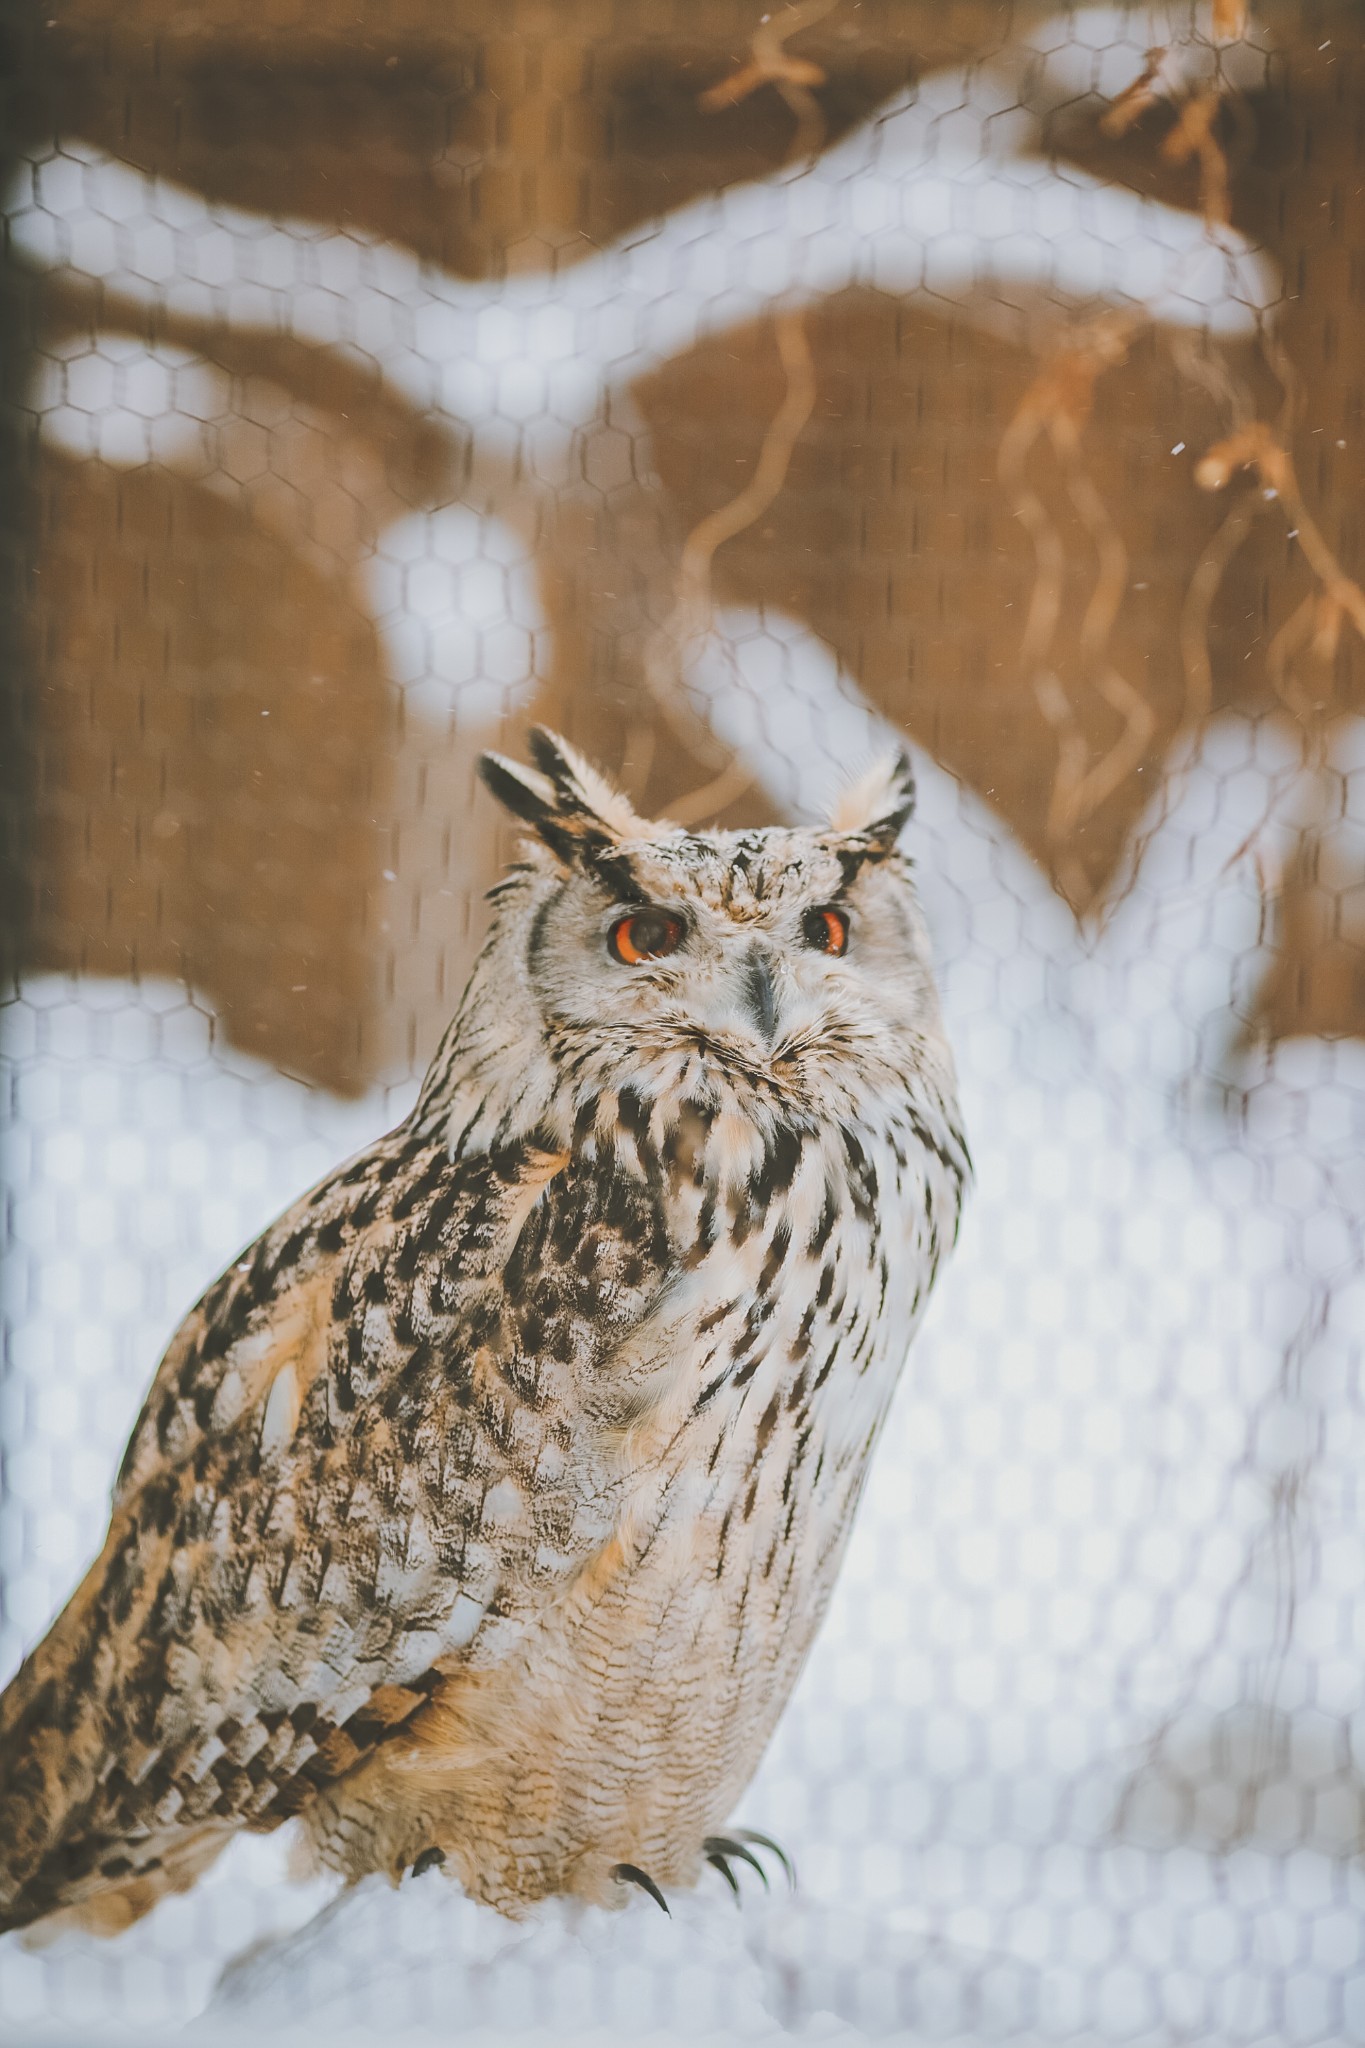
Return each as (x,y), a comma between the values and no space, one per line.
(826,930)
(645,935)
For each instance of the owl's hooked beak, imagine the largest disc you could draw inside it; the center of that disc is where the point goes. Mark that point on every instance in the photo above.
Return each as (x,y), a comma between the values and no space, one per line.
(759,993)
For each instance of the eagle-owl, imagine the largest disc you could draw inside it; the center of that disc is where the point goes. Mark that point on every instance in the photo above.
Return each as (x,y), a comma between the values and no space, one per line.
(484,1510)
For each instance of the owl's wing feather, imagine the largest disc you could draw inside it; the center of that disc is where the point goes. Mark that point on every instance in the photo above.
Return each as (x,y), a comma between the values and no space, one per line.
(342,1487)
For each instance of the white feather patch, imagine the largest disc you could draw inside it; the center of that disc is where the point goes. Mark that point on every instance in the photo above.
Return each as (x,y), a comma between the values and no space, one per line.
(282,1407)
(463,1620)
(869,798)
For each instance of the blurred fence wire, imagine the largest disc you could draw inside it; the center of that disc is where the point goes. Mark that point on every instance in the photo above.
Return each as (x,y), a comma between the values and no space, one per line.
(734,393)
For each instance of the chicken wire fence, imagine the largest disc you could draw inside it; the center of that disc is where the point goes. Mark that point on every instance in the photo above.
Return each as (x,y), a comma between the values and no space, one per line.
(735,394)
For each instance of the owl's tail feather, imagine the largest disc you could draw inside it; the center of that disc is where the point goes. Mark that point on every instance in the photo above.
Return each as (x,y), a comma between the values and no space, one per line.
(60,1722)
(114,1905)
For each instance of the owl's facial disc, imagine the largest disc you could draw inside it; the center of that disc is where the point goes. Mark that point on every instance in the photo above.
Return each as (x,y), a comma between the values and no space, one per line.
(749,985)
(764,947)
(758,949)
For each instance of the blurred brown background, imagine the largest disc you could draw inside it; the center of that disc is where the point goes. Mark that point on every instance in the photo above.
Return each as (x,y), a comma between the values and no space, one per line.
(159,823)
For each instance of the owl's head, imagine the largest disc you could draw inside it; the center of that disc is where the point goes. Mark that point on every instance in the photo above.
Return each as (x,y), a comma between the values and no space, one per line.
(782,954)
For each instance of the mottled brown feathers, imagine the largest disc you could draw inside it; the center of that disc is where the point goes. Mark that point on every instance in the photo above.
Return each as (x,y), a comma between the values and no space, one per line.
(239,1538)
(484,1510)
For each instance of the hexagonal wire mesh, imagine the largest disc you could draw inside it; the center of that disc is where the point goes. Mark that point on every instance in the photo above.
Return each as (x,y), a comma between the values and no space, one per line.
(731,394)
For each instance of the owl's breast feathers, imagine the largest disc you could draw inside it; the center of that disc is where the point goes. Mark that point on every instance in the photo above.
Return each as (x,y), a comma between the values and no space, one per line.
(421,1412)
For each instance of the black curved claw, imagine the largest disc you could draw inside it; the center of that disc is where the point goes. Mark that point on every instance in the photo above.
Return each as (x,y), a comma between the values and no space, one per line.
(767,1842)
(630,1873)
(718,1862)
(430,1859)
(728,1845)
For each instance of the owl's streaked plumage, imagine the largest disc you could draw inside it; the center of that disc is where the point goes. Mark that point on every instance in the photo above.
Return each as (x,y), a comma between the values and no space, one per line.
(489,1503)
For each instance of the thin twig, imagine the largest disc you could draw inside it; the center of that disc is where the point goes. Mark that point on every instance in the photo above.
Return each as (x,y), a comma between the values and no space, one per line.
(690,619)
(770,472)
(1197,111)
(1193,136)
(1317,623)
(770,63)
(1057,405)
(1203,588)
(1142,92)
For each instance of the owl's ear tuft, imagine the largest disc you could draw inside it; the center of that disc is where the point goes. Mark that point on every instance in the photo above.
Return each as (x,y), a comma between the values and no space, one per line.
(564,800)
(873,812)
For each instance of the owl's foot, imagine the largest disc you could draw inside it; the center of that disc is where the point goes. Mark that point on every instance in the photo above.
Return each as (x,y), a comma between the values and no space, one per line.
(430,1859)
(630,1873)
(721,1848)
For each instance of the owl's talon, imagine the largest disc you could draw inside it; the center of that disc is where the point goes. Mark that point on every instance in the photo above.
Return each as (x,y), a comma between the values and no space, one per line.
(718,1862)
(723,1846)
(430,1859)
(775,1848)
(630,1873)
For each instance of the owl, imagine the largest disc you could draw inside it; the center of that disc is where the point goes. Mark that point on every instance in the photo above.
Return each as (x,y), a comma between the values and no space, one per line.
(484,1510)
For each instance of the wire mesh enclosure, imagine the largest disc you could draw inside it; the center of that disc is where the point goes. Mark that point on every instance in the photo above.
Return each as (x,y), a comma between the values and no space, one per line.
(736,391)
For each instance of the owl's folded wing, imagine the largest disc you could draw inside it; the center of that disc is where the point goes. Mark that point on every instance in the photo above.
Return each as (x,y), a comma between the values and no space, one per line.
(368,1452)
